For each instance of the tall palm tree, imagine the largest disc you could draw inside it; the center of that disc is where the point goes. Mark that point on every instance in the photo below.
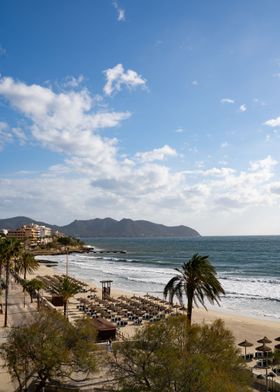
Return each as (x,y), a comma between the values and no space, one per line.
(10,248)
(27,263)
(197,280)
(66,288)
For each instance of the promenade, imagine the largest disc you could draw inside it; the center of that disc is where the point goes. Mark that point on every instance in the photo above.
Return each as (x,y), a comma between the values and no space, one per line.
(17,313)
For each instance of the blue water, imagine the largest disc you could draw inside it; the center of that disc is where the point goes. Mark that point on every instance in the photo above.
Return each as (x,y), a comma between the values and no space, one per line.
(248,267)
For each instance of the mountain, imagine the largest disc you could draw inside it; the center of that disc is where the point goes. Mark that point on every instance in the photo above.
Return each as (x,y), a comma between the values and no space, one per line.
(18,221)
(107,227)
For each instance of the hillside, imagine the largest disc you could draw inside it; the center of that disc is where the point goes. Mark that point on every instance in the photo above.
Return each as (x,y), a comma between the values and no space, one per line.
(107,227)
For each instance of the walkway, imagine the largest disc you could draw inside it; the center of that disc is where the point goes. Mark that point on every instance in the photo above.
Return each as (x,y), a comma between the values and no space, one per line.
(17,313)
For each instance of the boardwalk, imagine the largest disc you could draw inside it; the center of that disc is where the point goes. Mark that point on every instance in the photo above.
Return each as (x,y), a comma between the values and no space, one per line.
(17,313)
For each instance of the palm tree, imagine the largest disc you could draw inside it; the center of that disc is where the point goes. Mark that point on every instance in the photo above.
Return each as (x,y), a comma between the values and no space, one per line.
(197,280)
(27,263)
(34,286)
(9,249)
(66,288)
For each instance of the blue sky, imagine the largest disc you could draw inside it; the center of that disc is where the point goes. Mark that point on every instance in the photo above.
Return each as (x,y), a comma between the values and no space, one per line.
(160,110)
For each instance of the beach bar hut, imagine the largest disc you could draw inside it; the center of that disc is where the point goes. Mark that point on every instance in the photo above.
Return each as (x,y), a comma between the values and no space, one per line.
(105,329)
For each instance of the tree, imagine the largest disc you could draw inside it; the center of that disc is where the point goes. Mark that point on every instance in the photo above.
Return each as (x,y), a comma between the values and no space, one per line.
(197,280)
(64,287)
(27,263)
(9,249)
(33,287)
(172,355)
(49,348)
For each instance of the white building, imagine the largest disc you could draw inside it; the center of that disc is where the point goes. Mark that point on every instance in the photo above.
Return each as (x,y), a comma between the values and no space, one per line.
(44,231)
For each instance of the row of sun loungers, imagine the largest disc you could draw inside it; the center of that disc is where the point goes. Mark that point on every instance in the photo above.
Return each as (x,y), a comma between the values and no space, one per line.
(124,310)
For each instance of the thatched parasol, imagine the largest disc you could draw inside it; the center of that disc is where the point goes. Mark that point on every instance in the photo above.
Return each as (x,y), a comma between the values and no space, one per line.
(264,340)
(277,346)
(245,344)
(277,339)
(272,374)
(264,348)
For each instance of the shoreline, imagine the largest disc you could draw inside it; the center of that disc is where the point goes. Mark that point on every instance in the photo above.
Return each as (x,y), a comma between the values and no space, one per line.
(216,309)
(242,327)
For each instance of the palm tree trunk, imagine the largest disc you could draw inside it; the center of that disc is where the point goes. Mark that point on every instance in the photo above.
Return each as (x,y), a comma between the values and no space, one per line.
(7,293)
(65,308)
(189,307)
(38,301)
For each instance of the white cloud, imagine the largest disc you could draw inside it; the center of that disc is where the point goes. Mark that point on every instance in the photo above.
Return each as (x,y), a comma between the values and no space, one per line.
(73,82)
(120,11)
(243,108)
(5,135)
(19,135)
(95,180)
(117,77)
(10,135)
(195,83)
(179,130)
(158,154)
(274,122)
(64,122)
(227,100)
(224,144)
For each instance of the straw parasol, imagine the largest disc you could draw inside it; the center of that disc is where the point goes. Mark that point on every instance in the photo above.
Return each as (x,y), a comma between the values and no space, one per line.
(264,348)
(264,340)
(245,344)
(277,346)
(277,339)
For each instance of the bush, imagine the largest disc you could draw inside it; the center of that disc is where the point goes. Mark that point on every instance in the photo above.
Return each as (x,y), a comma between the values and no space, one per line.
(173,356)
(49,348)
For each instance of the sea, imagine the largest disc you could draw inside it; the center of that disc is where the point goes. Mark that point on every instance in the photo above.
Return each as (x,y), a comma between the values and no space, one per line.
(248,267)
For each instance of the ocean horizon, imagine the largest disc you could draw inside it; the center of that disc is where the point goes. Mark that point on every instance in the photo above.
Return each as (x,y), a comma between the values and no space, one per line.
(247,266)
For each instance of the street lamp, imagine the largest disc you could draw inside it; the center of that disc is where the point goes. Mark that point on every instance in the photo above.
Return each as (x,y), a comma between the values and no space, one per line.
(66,255)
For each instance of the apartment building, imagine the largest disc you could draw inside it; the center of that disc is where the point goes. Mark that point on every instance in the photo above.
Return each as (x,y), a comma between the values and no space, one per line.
(32,234)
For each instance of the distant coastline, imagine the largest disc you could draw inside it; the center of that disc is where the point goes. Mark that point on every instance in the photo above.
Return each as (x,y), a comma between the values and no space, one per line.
(108,227)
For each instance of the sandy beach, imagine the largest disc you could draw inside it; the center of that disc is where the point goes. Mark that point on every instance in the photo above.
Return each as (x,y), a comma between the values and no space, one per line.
(241,326)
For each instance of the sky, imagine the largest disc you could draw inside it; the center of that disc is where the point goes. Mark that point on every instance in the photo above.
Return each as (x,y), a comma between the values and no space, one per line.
(164,110)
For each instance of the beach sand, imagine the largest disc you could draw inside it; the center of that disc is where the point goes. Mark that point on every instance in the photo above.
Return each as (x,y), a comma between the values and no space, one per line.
(241,326)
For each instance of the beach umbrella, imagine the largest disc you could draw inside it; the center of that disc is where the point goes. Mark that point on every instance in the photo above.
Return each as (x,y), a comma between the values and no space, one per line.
(264,340)
(264,348)
(277,339)
(277,346)
(245,344)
